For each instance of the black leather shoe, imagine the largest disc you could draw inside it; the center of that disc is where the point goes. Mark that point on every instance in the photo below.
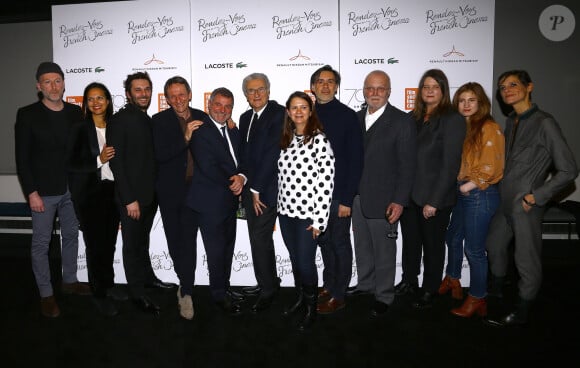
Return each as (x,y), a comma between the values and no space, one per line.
(229,307)
(146,305)
(158,284)
(513,319)
(235,295)
(425,301)
(105,307)
(251,290)
(262,303)
(354,291)
(379,308)
(404,287)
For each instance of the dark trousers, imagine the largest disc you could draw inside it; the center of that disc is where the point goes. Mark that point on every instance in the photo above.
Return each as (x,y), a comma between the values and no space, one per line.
(136,258)
(336,250)
(525,228)
(218,232)
(181,235)
(301,249)
(98,216)
(260,230)
(425,236)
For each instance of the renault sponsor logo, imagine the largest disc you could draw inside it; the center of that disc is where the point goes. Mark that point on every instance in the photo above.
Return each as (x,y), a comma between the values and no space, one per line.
(453,56)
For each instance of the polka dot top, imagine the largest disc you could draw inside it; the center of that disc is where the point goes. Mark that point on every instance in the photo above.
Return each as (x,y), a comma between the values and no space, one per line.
(306,179)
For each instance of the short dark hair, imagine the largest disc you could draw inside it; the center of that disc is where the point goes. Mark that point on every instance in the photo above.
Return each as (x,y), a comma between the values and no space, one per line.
(222,91)
(135,76)
(522,76)
(176,80)
(326,68)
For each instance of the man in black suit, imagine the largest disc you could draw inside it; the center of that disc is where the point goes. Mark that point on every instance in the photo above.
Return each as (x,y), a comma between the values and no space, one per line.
(172,130)
(261,129)
(214,193)
(385,188)
(134,169)
(41,134)
(341,126)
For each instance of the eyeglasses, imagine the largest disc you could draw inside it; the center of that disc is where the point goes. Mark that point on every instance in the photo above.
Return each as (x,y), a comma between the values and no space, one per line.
(253,91)
(377,90)
(510,85)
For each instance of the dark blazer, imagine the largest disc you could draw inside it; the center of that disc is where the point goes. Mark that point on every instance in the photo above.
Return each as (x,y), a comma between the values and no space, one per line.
(389,161)
(171,156)
(83,149)
(40,145)
(133,166)
(439,147)
(259,156)
(209,191)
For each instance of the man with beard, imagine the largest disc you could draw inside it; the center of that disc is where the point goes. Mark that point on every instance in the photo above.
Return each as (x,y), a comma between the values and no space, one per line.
(134,169)
(41,133)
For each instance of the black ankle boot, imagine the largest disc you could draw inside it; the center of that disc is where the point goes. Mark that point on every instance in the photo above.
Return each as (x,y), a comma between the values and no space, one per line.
(310,297)
(290,310)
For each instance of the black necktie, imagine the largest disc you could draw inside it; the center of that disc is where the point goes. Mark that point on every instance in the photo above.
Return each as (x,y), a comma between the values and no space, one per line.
(252,125)
(224,132)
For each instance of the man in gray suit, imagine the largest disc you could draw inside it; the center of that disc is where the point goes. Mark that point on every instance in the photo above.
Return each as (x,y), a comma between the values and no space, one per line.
(385,187)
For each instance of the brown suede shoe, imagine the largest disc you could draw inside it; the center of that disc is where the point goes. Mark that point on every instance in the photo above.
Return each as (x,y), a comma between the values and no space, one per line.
(76,288)
(330,306)
(48,307)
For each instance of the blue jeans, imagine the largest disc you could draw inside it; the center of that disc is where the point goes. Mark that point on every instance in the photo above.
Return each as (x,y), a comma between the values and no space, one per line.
(470,222)
(301,249)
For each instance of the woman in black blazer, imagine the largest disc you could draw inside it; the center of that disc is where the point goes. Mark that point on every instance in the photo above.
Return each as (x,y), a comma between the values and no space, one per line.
(440,135)
(92,188)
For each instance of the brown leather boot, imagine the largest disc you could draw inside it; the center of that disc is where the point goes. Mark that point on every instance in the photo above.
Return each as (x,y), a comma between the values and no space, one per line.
(452,284)
(470,306)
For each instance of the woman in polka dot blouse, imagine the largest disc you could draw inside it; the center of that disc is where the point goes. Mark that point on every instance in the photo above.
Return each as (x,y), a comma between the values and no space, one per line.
(305,182)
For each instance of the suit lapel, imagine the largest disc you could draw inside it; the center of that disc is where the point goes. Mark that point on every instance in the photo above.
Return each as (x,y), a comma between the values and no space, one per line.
(93,140)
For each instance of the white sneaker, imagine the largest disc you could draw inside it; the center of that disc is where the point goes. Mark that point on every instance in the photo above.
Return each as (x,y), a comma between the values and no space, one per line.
(185,305)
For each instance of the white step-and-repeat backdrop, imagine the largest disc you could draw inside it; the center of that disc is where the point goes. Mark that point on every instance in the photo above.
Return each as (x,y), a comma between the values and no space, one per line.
(214,44)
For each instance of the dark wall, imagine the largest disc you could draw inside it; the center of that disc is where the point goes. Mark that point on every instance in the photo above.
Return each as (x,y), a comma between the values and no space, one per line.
(24,46)
(553,66)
